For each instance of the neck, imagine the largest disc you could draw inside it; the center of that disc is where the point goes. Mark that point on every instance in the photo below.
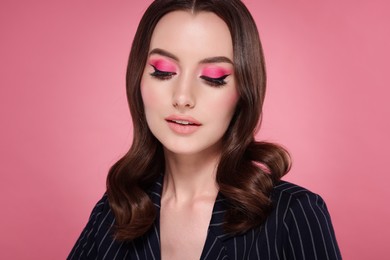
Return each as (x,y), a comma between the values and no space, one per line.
(189,177)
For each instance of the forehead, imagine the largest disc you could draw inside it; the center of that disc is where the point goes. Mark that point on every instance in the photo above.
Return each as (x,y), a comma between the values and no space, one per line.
(202,34)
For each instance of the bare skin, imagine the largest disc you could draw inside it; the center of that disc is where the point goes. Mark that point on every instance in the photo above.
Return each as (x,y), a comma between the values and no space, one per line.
(186,207)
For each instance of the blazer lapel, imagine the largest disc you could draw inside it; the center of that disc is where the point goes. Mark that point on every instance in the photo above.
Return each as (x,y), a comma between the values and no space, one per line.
(214,247)
(151,242)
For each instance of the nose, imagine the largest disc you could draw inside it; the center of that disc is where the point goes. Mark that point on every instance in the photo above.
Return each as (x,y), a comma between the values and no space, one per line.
(183,95)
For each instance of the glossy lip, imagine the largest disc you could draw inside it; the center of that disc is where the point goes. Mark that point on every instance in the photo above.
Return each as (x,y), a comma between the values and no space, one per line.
(182,129)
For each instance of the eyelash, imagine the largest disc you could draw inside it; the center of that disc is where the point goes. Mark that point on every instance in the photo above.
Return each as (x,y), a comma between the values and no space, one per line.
(215,82)
(165,75)
(162,75)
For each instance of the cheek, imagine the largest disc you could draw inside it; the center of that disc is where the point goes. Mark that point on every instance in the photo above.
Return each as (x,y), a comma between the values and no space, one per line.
(149,97)
(145,94)
(227,104)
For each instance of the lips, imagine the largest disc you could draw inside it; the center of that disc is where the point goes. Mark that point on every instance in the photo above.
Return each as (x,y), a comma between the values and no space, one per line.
(182,125)
(183,120)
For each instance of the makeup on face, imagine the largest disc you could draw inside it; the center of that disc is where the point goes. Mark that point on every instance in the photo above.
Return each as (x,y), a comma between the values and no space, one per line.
(191,111)
(163,68)
(182,125)
(162,64)
(215,72)
(215,75)
(211,72)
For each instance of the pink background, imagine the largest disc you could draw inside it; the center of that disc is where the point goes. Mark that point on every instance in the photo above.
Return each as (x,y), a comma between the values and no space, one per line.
(64,117)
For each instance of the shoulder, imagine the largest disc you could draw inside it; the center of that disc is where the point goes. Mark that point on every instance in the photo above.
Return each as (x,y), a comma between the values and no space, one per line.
(290,189)
(95,235)
(287,194)
(102,205)
(303,223)
(101,214)
(299,208)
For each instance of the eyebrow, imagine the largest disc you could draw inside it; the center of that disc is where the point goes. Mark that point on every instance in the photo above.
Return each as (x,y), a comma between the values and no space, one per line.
(217,59)
(163,53)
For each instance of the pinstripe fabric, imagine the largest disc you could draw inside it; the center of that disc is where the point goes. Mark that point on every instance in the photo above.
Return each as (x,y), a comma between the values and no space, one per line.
(299,227)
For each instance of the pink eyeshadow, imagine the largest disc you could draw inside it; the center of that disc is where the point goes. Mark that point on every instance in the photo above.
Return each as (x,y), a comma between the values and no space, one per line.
(163,65)
(215,72)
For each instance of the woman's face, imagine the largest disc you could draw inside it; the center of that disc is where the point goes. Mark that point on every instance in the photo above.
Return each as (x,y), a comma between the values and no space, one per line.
(188,85)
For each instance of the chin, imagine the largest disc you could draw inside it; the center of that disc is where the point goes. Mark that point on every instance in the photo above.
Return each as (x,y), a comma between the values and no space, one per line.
(192,149)
(177,150)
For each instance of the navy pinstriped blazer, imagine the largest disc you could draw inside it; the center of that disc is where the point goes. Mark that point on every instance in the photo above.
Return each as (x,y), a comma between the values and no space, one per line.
(299,227)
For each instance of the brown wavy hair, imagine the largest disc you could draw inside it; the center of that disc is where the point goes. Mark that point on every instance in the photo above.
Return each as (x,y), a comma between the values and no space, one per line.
(247,170)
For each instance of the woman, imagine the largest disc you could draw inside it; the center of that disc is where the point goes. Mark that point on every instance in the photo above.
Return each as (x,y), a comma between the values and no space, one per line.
(195,184)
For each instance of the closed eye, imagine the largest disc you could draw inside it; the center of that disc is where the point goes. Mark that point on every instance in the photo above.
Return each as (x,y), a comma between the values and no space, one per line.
(215,82)
(162,75)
